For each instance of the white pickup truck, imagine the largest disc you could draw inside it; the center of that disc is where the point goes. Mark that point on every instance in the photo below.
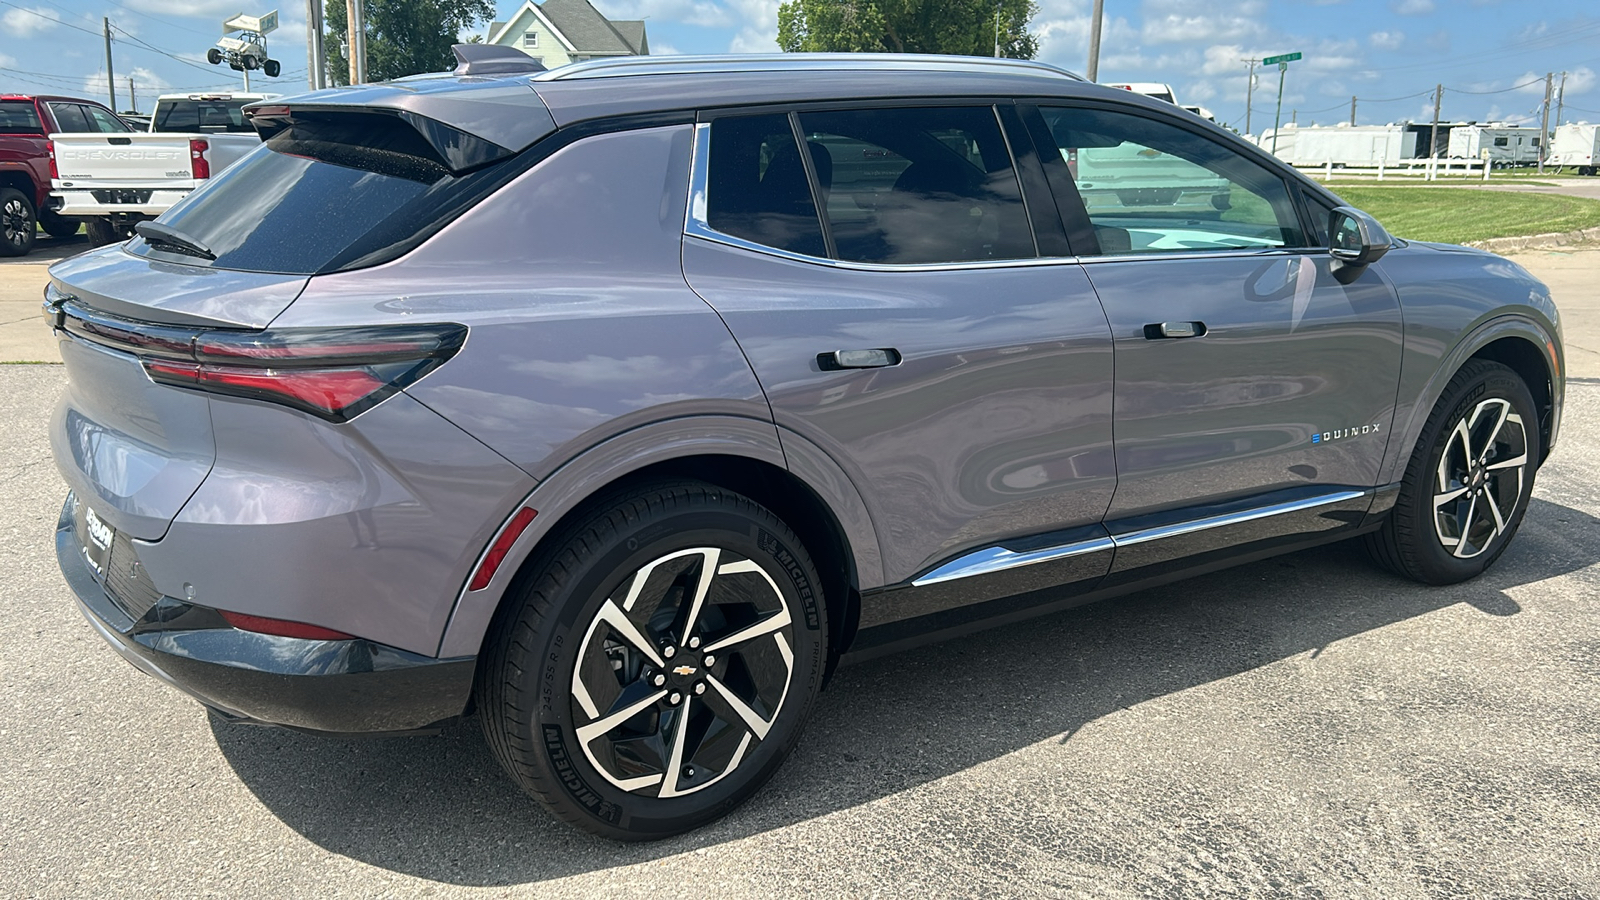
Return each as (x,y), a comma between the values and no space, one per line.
(114,181)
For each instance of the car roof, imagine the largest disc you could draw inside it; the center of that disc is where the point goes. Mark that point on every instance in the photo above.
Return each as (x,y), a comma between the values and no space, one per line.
(50,97)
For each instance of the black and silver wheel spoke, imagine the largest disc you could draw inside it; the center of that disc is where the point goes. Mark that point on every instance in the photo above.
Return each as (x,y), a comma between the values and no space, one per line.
(1480,478)
(683,671)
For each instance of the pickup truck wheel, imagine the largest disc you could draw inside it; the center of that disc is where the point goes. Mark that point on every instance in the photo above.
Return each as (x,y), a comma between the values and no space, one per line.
(651,669)
(58,226)
(17,223)
(272,68)
(214,56)
(103,231)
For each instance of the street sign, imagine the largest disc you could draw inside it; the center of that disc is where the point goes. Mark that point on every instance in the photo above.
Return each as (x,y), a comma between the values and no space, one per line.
(1273,60)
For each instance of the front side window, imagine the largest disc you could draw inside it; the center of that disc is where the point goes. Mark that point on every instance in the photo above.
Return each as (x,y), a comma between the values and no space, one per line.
(104,122)
(1151,187)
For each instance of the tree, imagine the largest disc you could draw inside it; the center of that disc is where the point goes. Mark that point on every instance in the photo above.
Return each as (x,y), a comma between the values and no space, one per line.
(963,27)
(404,37)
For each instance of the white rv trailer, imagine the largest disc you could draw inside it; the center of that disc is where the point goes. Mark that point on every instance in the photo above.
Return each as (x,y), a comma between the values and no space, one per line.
(1576,145)
(1347,145)
(1498,142)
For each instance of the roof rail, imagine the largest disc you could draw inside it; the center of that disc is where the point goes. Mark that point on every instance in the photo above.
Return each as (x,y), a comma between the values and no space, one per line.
(728,63)
(493,59)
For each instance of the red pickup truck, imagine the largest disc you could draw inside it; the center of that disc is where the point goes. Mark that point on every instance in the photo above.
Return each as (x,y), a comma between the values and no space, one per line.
(25,164)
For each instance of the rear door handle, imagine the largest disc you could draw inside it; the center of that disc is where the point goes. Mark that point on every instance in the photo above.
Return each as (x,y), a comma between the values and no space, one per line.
(835,360)
(1165,331)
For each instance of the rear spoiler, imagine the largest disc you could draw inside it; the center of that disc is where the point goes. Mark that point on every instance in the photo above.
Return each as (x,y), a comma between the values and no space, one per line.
(469,120)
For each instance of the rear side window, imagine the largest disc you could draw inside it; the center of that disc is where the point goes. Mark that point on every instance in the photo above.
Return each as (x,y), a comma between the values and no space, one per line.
(69,118)
(325,194)
(930,185)
(19,117)
(757,187)
(920,185)
(202,116)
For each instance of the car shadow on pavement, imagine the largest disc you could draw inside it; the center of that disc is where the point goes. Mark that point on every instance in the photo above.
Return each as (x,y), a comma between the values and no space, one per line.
(440,808)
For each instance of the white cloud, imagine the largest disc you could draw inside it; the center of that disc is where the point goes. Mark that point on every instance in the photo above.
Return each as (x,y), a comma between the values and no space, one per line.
(146,84)
(759,29)
(1197,92)
(1180,21)
(1413,7)
(205,9)
(664,50)
(7,61)
(1386,40)
(25,23)
(702,13)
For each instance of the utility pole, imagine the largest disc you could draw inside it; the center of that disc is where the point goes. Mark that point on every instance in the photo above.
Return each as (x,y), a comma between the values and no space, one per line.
(1277,119)
(997,29)
(1544,124)
(1433,136)
(111,79)
(1249,91)
(133,99)
(1561,99)
(357,41)
(1094,39)
(316,61)
(1352,111)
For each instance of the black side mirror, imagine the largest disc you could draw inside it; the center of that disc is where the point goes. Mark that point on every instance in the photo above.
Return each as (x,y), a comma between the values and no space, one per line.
(1356,241)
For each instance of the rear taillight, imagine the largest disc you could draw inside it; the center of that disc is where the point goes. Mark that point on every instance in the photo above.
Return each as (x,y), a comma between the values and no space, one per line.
(199,165)
(54,172)
(335,374)
(282,627)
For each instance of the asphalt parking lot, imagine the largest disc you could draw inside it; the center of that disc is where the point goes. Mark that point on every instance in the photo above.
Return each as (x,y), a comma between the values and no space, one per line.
(1301,727)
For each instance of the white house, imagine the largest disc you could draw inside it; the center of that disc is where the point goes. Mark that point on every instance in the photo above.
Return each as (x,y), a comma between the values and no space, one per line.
(561,31)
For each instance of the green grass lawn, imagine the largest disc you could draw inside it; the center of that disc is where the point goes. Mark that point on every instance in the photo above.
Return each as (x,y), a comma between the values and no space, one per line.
(1459,215)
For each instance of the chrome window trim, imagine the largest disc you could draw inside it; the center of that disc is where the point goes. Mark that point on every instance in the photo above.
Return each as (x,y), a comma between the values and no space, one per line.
(617,67)
(695,225)
(1241,253)
(998,559)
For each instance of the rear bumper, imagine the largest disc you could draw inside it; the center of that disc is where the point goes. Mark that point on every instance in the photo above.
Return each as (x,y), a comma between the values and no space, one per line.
(84,202)
(345,687)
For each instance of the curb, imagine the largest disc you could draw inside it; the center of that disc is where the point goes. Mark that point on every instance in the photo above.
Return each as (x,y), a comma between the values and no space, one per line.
(1538,241)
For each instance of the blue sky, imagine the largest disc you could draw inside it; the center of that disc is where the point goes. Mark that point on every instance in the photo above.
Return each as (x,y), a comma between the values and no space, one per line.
(1387,53)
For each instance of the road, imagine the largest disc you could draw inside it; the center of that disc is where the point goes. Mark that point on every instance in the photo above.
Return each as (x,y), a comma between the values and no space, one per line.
(1301,727)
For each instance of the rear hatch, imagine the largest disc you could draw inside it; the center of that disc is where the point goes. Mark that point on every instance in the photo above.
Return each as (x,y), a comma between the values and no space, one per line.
(331,188)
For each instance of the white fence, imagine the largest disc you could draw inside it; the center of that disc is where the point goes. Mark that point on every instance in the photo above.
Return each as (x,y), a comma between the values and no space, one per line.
(1430,169)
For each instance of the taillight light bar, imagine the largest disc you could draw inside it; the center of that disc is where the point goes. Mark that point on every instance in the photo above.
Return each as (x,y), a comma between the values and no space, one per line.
(198,164)
(55,173)
(333,373)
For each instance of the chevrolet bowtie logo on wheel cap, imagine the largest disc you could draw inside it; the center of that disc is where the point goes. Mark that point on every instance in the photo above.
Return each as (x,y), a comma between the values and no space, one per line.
(683,670)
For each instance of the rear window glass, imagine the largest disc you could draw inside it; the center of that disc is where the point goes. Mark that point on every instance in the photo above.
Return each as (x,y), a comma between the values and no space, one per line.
(202,116)
(320,196)
(19,117)
(758,186)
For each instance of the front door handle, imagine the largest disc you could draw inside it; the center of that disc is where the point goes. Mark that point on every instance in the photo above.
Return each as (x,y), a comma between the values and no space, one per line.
(835,360)
(1166,331)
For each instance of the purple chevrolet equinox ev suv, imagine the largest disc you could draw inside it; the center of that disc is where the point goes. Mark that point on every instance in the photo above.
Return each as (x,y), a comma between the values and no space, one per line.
(616,404)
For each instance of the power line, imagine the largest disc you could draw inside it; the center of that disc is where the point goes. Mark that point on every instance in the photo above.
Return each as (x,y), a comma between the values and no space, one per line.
(1515,87)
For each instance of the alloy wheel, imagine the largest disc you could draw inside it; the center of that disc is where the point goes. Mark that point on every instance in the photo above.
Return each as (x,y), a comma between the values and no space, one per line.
(15,221)
(1480,478)
(682,672)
